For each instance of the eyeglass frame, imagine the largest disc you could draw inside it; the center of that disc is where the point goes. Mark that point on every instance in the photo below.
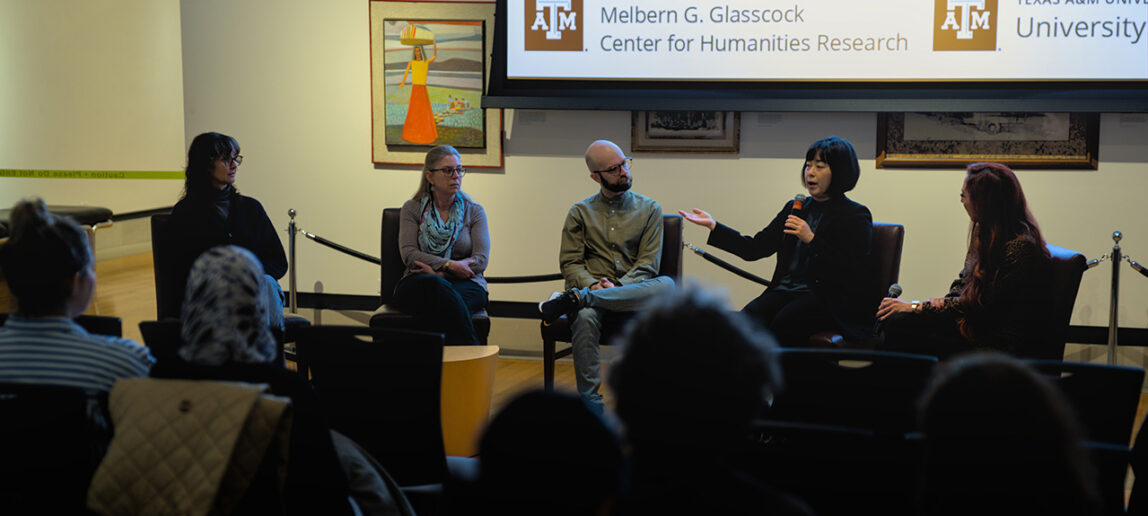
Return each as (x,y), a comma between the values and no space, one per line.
(626,163)
(449,171)
(238,159)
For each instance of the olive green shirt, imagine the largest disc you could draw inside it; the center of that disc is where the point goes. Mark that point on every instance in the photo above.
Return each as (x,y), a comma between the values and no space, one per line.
(619,239)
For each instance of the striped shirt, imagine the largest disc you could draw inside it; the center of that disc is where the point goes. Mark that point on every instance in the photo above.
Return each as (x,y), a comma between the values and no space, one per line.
(57,351)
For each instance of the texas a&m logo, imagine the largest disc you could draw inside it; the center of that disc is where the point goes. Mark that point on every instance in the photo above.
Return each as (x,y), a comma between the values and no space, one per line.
(553,24)
(964,24)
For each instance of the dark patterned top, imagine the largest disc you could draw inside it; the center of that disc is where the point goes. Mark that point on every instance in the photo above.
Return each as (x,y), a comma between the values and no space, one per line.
(1017,311)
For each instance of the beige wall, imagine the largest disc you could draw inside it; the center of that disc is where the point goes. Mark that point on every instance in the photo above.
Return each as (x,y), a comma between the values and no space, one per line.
(91,86)
(290,79)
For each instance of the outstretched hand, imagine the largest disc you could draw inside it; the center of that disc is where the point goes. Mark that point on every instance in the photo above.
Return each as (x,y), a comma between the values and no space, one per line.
(699,217)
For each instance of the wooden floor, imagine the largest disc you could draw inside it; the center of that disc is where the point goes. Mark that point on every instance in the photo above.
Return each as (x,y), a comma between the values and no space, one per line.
(126,288)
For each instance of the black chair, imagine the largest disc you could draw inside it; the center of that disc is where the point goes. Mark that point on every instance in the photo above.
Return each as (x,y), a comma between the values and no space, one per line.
(874,390)
(1138,459)
(383,393)
(168,294)
(885,261)
(162,338)
(1068,267)
(559,330)
(837,470)
(49,448)
(1104,397)
(109,325)
(387,316)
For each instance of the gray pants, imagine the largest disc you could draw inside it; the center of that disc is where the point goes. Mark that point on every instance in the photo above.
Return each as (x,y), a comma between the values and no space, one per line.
(587,325)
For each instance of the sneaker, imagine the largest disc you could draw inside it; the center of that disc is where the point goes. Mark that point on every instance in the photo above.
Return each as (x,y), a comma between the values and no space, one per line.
(559,304)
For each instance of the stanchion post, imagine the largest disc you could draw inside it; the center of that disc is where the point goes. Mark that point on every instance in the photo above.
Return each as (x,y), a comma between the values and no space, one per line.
(1115,302)
(291,299)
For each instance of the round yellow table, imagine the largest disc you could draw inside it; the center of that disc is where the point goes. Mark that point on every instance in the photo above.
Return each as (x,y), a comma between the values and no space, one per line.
(467,389)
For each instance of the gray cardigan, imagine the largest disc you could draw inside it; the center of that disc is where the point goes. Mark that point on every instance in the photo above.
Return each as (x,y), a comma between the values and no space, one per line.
(472,242)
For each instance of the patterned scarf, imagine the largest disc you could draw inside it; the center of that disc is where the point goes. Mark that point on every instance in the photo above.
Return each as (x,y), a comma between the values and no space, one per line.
(436,237)
(225,310)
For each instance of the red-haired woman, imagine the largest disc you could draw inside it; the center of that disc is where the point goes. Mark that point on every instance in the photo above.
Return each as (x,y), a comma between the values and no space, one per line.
(1002,299)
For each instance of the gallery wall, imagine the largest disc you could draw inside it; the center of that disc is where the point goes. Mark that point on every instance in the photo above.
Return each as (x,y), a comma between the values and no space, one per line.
(291,80)
(91,89)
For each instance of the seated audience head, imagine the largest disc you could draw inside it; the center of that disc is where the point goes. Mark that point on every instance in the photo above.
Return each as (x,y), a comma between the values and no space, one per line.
(517,477)
(997,434)
(439,175)
(225,310)
(47,262)
(212,161)
(838,154)
(693,373)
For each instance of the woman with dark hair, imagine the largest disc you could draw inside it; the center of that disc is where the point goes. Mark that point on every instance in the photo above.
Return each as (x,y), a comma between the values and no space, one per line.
(444,242)
(1001,439)
(1002,299)
(213,213)
(820,282)
(49,268)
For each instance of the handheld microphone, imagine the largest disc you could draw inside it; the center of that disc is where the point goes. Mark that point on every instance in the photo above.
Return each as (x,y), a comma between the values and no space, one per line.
(895,291)
(798,204)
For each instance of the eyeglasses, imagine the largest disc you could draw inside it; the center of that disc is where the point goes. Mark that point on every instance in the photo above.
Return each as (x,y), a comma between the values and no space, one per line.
(450,171)
(238,159)
(616,169)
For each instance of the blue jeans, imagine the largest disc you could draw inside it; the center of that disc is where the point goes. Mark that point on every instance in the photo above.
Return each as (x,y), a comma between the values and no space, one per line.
(596,306)
(442,304)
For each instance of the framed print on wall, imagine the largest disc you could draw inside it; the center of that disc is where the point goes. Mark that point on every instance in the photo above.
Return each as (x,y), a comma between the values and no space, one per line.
(1018,140)
(428,74)
(685,131)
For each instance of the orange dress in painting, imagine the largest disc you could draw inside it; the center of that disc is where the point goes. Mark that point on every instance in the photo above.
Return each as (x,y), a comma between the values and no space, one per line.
(419,126)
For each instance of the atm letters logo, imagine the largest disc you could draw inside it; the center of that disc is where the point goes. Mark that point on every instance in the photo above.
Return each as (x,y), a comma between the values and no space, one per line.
(553,25)
(964,24)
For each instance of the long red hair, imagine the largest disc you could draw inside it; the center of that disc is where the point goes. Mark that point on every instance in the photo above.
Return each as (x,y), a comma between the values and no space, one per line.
(1000,215)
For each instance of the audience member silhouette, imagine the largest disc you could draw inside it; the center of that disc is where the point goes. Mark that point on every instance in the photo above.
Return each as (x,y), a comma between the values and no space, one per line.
(521,471)
(1001,439)
(226,337)
(686,430)
(50,270)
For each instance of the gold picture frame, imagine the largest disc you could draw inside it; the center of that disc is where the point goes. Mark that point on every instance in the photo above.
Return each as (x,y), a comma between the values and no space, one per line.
(1018,140)
(381,11)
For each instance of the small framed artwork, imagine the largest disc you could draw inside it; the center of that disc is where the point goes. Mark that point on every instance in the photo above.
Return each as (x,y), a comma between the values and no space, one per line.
(1018,140)
(428,74)
(686,131)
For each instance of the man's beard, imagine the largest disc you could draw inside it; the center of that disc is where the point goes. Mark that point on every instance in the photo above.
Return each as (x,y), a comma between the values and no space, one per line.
(618,187)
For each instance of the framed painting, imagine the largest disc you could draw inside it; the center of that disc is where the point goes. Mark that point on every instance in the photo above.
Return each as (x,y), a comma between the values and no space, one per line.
(1018,140)
(428,74)
(685,131)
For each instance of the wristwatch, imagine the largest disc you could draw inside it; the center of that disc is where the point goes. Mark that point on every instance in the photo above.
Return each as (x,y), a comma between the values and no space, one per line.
(916,305)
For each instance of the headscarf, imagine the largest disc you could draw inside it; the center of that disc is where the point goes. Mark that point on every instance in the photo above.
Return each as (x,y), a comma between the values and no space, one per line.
(225,310)
(435,236)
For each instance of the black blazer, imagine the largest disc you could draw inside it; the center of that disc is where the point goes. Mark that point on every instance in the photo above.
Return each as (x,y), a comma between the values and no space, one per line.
(196,226)
(839,262)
